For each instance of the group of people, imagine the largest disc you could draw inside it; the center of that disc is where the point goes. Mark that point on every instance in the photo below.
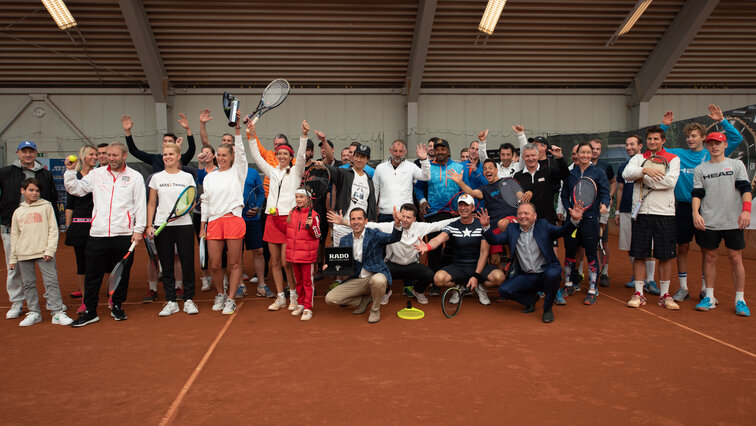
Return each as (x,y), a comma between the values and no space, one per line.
(432,223)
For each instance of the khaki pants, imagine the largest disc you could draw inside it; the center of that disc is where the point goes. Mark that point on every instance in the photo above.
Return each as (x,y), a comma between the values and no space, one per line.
(351,291)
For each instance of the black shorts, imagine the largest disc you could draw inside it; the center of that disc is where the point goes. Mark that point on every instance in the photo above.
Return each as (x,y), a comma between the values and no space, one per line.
(684,222)
(657,232)
(253,235)
(461,274)
(709,240)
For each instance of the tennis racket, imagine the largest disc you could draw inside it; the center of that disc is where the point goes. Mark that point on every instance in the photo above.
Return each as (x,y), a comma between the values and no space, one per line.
(316,180)
(584,192)
(452,299)
(410,313)
(203,253)
(653,162)
(115,274)
(510,191)
(149,243)
(184,204)
(272,96)
(250,199)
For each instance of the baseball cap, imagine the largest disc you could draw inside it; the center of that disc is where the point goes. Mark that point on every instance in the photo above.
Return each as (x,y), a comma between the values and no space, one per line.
(716,136)
(329,143)
(539,139)
(364,150)
(441,142)
(466,198)
(27,144)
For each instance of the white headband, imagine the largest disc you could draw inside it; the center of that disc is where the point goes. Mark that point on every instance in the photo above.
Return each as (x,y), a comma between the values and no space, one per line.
(302,191)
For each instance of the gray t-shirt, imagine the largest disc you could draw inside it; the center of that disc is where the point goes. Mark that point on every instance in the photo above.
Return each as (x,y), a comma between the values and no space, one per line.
(722,203)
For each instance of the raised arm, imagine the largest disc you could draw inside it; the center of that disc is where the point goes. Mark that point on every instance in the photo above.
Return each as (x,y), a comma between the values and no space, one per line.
(459,180)
(240,157)
(482,154)
(422,172)
(254,149)
(74,186)
(522,140)
(734,138)
(299,165)
(133,150)
(191,147)
(203,119)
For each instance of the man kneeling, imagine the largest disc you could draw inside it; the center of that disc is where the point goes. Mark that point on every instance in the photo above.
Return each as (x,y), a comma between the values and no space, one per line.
(371,276)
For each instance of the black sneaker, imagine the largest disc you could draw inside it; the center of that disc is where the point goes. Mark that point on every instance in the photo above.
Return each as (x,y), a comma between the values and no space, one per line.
(604,280)
(118,314)
(85,319)
(434,290)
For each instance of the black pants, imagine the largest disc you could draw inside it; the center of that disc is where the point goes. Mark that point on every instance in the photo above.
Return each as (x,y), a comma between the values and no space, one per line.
(102,254)
(524,288)
(414,271)
(437,258)
(182,238)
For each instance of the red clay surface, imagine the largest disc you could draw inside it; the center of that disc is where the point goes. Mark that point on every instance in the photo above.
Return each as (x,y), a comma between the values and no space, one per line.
(489,365)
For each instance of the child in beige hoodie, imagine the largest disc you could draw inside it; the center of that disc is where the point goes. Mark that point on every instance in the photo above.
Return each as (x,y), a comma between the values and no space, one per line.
(34,240)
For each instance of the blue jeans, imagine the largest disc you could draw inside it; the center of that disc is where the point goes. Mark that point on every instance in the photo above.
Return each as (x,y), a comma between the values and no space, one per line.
(524,287)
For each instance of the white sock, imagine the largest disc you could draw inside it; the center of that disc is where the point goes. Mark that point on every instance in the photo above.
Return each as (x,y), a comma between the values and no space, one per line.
(293,294)
(710,293)
(281,295)
(639,287)
(739,296)
(153,285)
(683,277)
(179,284)
(664,287)
(650,270)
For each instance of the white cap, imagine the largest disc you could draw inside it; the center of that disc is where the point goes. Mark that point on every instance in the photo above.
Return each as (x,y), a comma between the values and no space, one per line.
(466,198)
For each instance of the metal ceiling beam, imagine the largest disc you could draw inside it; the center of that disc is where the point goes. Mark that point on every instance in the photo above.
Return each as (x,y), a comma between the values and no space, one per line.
(426,12)
(671,46)
(146,47)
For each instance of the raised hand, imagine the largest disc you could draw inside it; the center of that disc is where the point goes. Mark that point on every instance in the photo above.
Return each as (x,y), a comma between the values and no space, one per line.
(183,121)
(251,128)
(305,128)
(668,118)
(335,218)
(397,218)
(127,123)
(205,116)
(321,136)
(483,135)
(715,113)
(518,128)
(179,141)
(483,217)
(456,177)
(576,212)
(526,197)
(422,151)
(556,151)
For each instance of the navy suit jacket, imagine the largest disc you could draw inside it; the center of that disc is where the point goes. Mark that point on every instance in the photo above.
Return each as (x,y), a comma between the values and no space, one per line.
(543,233)
(372,251)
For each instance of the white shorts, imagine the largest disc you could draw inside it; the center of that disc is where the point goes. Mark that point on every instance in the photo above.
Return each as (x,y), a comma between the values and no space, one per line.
(339,231)
(625,231)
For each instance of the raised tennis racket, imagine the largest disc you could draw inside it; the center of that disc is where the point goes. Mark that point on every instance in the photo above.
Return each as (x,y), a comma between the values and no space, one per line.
(115,274)
(653,162)
(510,191)
(584,192)
(184,204)
(452,299)
(272,96)
(410,313)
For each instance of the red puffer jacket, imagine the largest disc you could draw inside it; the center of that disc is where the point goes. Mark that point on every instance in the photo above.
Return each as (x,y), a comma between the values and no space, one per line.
(302,242)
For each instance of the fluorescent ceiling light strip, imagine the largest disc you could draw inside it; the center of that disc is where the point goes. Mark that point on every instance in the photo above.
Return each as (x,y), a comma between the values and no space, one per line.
(491,16)
(60,13)
(636,14)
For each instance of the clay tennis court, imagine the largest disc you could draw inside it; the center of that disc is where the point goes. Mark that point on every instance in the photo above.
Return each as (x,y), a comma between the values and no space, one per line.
(489,365)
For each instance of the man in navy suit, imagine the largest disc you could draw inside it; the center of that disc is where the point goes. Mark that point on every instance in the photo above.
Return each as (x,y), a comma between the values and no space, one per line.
(371,276)
(530,241)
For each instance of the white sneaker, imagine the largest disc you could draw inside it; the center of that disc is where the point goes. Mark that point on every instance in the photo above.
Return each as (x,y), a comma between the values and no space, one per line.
(31,319)
(190,307)
(207,283)
(297,311)
(480,290)
(254,280)
(277,304)
(61,319)
(454,299)
(293,300)
(385,299)
(229,307)
(218,302)
(306,315)
(169,308)
(420,297)
(15,311)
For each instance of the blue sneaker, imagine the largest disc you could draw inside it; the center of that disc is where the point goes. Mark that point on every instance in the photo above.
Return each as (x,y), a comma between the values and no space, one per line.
(241,292)
(741,309)
(559,299)
(630,284)
(651,288)
(541,294)
(708,303)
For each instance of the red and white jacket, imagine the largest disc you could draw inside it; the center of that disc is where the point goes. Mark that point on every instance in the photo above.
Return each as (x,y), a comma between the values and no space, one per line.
(302,242)
(120,207)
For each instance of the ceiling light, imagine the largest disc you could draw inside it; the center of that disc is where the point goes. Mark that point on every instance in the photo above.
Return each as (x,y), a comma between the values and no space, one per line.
(630,20)
(60,13)
(491,16)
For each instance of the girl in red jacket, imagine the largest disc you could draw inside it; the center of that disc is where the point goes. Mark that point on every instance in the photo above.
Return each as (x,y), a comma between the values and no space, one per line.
(302,238)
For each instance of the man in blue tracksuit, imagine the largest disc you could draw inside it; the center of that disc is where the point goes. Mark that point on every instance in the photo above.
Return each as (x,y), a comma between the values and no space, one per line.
(690,158)
(587,234)
(438,196)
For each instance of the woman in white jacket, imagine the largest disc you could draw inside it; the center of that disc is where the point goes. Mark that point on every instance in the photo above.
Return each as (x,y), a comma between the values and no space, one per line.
(221,222)
(284,180)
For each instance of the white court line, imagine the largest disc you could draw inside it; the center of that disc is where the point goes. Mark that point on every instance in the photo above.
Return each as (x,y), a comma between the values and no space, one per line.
(729,345)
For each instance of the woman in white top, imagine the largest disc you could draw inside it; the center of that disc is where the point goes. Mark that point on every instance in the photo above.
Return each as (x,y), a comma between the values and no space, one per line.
(222,223)
(165,188)
(207,164)
(284,180)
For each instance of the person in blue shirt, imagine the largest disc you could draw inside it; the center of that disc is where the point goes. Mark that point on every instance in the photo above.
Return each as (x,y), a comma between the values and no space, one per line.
(254,200)
(587,234)
(690,158)
(473,167)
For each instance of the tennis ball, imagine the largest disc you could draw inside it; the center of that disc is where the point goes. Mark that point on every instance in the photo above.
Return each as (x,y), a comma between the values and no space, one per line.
(72,158)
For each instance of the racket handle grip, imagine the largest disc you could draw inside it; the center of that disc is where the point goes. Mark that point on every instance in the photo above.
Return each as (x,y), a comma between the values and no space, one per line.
(132,246)
(254,120)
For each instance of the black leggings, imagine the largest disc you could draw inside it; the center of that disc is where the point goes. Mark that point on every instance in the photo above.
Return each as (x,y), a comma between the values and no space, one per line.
(170,238)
